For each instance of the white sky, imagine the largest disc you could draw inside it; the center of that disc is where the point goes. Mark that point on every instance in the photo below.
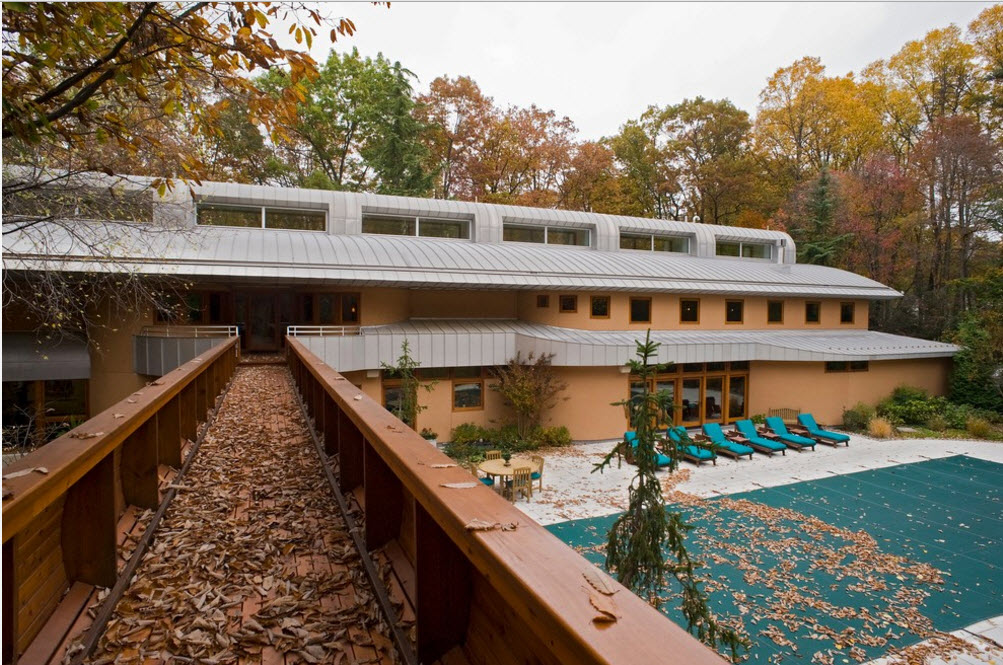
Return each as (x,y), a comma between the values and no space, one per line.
(604,63)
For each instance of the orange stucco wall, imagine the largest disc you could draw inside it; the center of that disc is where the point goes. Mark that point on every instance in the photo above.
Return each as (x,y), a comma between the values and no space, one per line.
(807,386)
(112,375)
(463,304)
(665,313)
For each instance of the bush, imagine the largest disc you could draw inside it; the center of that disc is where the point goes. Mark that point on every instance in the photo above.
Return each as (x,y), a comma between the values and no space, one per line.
(937,423)
(857,418)
(904,394)
(551,437)
(979,428)
(880,428)
(758,419)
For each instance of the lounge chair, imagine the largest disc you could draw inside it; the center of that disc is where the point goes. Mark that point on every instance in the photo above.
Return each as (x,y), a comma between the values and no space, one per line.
(689,452)
(660,459)
(730,448)
(752,439)
(821,435)
(795,441)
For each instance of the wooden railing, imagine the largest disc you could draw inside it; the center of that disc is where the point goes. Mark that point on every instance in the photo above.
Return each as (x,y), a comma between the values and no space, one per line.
(61,519)
(479,596)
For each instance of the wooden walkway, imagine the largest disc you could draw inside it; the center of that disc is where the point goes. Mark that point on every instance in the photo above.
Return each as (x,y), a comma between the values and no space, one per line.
(252,562)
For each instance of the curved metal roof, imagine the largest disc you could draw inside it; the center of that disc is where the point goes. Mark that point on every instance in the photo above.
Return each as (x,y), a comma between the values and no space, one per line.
(373,260)
(473,342)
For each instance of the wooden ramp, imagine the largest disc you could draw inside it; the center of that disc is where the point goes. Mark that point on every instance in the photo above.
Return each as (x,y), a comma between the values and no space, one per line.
(252,563)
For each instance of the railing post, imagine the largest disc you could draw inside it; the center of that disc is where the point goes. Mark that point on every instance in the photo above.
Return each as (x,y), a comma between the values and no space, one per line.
(88,528)
(331,413)
(169,434)
(442,588)
(10,600)
(384,500)
(202,388)
(188,410)
(318,406)
(139,466)
(351,465)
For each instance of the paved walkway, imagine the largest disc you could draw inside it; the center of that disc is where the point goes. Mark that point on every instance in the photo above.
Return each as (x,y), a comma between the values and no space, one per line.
(252,563)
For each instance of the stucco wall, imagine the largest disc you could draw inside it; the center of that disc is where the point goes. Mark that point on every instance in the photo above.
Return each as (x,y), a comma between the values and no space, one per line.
(807,386)
(463,304)
(665,313)
(112,375)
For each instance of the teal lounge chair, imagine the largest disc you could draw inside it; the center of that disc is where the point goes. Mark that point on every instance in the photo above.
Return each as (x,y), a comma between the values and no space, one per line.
(724,446)
(660,459)
(821,435)
(690,452)
(747,429)
(795,441)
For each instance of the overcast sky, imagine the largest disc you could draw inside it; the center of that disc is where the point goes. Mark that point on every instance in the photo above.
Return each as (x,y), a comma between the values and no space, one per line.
(603,63)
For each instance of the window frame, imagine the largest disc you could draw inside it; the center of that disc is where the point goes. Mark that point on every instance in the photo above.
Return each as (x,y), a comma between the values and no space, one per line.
(560,304)
(466,380)
(417,219)
(546,233)
(742,244)
(543,301)
(782,308)
(681,319)
(741,311)
(818,321)
(592,307)
(630,308)
(853,313)
(262,215)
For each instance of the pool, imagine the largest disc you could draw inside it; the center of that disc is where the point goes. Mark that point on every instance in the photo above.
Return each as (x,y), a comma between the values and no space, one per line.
(842,569)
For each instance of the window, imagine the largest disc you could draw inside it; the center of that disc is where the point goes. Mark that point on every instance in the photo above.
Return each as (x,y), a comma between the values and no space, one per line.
(543,302)
(468,389)
(640,310)
(433,373)
(295,219)
(550,235)
(328,309)
(740,366)
(715,367)
(846,312)
(746,250)
(692,367)
(652,242)
(736,397)
(689,311)
(812,312)
(401,225)
(524,234)
(844,366)
(775,311)
(733,311)
(349,308)
(600,307)
(35,412)
(568,304)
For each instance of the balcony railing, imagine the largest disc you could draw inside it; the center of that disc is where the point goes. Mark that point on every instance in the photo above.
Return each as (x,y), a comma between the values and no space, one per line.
(323,331)
(63,513)
(190,331)
(518,595)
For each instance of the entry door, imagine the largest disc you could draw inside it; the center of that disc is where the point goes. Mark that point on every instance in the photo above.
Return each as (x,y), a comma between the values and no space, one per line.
(261,328)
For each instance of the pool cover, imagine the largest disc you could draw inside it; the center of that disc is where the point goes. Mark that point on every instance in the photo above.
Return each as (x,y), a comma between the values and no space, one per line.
(842,569)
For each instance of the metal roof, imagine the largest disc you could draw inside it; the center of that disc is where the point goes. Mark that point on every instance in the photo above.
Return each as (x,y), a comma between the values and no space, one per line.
(371,260)
(473,342)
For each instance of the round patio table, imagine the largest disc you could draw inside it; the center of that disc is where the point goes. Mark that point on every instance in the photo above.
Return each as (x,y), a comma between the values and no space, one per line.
(496,467)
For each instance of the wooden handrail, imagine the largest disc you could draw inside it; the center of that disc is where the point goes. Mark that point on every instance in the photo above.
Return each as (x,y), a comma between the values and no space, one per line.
(60,527)
(540,598)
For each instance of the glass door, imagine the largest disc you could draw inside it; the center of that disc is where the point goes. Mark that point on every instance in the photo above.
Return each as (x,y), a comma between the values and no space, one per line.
(736,397)
(261,327)
(668,386)
(713,399)
(690,414)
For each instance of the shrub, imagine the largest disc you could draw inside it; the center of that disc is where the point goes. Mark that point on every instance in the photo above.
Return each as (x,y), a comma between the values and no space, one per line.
(427,433)
(758,419)
(858,417)
(551,437)
(979,428)
(904,394)
(468,433)
(880,428)
(937,423)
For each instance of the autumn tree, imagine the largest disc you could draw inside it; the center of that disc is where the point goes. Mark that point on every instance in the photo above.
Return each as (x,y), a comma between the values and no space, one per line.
(531,387)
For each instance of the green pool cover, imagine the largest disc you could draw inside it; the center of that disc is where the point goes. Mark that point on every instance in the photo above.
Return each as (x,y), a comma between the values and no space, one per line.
(844,568)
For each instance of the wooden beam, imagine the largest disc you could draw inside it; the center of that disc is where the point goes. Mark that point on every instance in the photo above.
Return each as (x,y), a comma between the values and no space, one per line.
(384,501)
(139,466)
(10,600)
(330,437)
(351,465)
(89,527)
(443,587)
(169,434)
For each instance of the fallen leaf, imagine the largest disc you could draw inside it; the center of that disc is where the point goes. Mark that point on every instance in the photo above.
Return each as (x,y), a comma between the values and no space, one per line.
(460,486)
(605,608)
(24,472)
(599,581)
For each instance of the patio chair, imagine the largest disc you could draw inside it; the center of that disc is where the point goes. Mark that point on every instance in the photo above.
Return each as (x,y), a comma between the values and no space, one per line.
(472,468)
(689,452)
(537,475)
(521,483)
(492,454)
(733,449)
(807,421)
(795,441)
(752,439)
(661,460)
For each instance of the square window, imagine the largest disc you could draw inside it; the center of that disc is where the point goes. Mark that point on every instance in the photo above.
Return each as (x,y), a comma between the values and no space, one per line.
(640,310)
(468,395)
(812,312)
(600,307)
(728,249)
(775,311)
(733,311)
(835,366)
(543,302)
(846,312)
(568,304)
(689,311)
(858,366)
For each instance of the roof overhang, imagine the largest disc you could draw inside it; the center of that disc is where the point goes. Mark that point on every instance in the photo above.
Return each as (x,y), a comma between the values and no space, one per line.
(26,358)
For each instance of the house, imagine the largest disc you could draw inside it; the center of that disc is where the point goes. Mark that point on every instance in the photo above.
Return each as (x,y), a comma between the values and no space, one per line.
(469,285)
